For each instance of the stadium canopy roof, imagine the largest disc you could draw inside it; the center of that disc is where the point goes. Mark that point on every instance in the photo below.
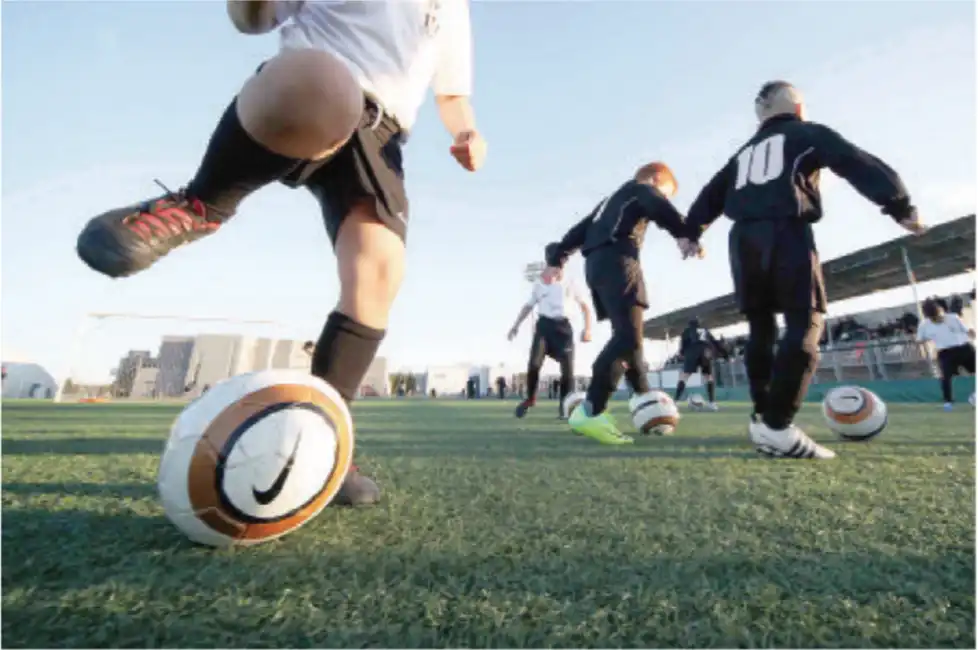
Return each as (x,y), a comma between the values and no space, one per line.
(946,249)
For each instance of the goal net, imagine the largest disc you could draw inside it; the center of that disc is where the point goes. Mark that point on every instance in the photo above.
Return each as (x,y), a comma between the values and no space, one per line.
(141,357)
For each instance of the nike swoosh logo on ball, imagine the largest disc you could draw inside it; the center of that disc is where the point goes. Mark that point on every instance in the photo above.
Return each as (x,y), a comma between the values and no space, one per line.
(264,497)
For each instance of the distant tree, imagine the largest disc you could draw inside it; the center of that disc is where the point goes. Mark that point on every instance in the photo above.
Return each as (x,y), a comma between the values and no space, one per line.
(411,383)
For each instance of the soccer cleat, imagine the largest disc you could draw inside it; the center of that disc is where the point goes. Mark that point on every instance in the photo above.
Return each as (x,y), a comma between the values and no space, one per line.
(790,442)
(128,240)
(523,407)
(357,490)
(948,406)
(712,406)
(600,427)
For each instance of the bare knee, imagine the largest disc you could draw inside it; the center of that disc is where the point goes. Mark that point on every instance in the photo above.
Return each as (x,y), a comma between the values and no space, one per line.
(371,267)
(303,104)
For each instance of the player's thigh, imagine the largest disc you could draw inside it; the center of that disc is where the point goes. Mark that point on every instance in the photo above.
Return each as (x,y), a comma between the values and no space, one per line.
(561,349)
(626,323)
(706,367)
(965,358)
(538,348)
(364,205)
(947,362)
(796,272)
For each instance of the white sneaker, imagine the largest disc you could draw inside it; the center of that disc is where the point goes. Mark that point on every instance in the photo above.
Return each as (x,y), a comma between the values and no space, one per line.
(712,406)
(791,442)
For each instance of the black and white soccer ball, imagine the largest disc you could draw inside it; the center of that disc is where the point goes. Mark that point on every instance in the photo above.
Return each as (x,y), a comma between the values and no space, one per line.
(696,402)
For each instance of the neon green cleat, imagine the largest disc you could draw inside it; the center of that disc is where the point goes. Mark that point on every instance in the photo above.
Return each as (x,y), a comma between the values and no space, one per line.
(601,427)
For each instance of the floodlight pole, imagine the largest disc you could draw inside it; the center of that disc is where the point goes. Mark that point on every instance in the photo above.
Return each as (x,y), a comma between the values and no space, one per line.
(912,280)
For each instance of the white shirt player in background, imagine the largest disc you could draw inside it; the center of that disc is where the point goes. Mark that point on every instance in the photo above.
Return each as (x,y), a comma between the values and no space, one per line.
(553,336)
(329,112)
(952,340)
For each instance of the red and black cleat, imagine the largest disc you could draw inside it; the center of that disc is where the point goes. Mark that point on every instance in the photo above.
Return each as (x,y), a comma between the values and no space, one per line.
(524,406)
(125,241)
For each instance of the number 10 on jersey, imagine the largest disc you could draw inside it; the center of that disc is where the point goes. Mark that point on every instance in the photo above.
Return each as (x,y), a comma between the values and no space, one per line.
(762,162)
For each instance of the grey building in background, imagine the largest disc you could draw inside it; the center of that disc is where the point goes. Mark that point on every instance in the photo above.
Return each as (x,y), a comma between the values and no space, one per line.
(174,363)
(128,368)
(186,365)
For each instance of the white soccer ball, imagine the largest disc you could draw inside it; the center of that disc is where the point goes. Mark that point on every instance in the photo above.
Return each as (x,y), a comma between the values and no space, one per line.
(654,412)
(255,457)
(571,402)
(854,412)
(696,402)
(971,399)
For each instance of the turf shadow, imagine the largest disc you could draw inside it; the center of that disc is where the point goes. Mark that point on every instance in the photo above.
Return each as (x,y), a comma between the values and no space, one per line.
(83,446)
(118,490)
(295,594)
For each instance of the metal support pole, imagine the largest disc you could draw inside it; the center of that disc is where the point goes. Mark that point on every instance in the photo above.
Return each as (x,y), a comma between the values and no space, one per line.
(912,280)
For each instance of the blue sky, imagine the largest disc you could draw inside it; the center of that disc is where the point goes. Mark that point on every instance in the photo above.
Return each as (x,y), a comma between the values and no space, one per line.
(101,98)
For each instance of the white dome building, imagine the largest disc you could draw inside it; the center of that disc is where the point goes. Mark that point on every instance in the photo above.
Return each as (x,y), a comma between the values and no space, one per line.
(27,381)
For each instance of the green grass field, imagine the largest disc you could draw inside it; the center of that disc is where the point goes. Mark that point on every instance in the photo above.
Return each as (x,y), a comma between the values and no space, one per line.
(495,532)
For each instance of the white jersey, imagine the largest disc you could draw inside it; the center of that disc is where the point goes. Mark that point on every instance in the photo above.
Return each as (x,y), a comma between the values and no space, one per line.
(950,333)
(396,49)
(552,300)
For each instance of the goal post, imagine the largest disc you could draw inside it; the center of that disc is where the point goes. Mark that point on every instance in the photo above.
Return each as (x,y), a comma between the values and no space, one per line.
(165,357)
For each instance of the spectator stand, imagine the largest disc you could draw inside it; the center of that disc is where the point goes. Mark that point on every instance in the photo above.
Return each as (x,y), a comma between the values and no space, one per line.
(875,345)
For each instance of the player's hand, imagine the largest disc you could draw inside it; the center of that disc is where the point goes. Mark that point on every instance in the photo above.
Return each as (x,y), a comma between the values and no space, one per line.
(913,226)
(690,248)
(586,336)
(469,150)
(512,334)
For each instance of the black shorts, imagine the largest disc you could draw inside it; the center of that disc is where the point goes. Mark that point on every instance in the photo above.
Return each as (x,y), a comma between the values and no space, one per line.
(953,359)
(701,360)
(775,267)
(616,282)
(554,338)
(368,166)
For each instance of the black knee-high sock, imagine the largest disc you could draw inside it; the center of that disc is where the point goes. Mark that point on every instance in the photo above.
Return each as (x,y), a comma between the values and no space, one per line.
(759,357)
(235,165)
(566,383)
(532,383)
(794,365)
(711,390)
(344,353)
(946,388)
(680,388)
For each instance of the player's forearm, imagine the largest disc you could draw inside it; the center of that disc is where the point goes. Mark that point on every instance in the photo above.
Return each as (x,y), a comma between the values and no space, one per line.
(522,316)
(252,16)
(586,313)
(456,114)
(556,254)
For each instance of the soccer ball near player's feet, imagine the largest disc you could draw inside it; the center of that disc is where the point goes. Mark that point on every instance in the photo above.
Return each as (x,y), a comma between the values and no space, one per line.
(854,412)
(256,457)
(571,402)
(654,412)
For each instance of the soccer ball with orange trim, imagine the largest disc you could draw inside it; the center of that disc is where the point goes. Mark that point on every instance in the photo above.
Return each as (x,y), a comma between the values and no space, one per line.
(255,457)
(854,412)
(654,412)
